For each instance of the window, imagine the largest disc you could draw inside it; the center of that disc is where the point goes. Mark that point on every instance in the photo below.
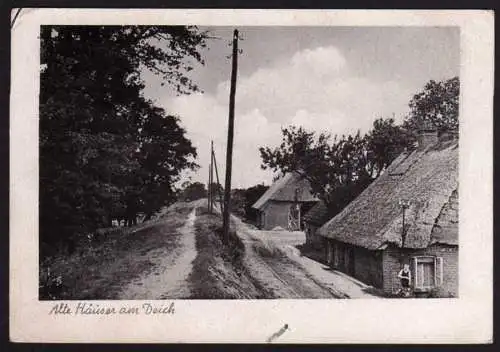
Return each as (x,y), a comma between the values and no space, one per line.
(428,272)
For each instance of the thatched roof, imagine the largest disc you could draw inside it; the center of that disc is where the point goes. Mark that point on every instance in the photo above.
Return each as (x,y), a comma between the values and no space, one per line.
(318,214)
(284,190)
(428,179)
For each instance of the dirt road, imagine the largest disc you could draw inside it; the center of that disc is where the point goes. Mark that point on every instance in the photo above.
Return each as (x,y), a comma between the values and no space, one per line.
(185,259)
(180,255)
(279,276)
(171,267)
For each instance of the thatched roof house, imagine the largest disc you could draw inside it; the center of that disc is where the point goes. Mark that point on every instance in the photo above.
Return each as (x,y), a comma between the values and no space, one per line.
(285,202)
(419,189)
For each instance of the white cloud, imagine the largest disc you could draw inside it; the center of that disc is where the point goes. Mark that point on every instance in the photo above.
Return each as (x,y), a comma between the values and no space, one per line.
(323,61)
(314,88)
(205,119)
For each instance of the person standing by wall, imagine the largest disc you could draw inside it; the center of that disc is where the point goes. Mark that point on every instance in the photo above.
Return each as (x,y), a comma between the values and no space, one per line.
(405,276)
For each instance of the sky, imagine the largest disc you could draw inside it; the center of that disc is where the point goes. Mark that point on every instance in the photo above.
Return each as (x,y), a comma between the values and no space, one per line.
(326,79)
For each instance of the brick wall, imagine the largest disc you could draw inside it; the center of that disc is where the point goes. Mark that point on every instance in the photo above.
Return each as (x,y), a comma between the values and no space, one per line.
(392,265)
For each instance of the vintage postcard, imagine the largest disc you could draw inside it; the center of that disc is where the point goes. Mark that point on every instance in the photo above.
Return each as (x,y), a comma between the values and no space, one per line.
(251,176)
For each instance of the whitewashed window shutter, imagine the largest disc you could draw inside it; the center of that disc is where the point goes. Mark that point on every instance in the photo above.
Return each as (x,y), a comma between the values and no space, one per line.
(439,271)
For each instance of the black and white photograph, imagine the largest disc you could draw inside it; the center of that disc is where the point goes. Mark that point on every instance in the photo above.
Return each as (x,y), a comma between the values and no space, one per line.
(340,179)
(250,163)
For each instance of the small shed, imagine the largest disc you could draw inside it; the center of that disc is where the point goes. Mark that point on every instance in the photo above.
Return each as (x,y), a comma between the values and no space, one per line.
(313,220)
(408,215)
(285,203)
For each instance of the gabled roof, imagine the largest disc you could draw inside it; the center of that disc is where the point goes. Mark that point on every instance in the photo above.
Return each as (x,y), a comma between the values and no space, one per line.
(428,179)
(284,190)
(318,214)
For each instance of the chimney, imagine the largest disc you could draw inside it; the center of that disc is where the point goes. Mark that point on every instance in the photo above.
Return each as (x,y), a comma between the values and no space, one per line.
(427,135)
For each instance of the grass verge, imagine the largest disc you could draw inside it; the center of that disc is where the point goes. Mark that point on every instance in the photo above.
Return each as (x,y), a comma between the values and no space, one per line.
(218,270)
(100,269)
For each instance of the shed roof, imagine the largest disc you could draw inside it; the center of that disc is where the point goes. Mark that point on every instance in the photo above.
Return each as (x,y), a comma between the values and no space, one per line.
(284,190)
(428,179)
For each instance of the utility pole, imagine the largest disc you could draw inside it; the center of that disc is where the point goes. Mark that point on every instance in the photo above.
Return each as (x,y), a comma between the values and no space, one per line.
(218,184)
(212,195)
(230,133)
(209,190)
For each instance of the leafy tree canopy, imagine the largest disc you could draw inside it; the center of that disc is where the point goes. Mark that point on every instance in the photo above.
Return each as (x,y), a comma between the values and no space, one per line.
(437,103)
(105,150)
(340,168)
(193,191)
(253,194)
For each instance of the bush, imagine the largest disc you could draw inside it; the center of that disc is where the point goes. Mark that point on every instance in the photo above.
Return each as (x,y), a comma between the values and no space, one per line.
(50,284)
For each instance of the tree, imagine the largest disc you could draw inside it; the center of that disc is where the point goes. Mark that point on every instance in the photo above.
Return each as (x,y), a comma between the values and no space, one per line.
(216,188)
(437,103)
(253,194)
(328,165)
(104,149)
(238,202)
(194,191)
(164,151)
(385,142)
(339,169)
(302,151)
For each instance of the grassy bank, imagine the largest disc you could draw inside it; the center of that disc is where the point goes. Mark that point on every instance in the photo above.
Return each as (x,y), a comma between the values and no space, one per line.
(218,271)
(99,269)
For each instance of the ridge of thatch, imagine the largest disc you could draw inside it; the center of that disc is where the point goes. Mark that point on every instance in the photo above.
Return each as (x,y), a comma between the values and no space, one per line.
(284,188)
(428,179)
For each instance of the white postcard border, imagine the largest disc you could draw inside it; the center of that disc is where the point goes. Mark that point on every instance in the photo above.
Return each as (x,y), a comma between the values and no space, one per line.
(467,319)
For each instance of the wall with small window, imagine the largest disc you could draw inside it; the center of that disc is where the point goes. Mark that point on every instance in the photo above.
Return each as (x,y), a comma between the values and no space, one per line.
(427,272)
(434,270)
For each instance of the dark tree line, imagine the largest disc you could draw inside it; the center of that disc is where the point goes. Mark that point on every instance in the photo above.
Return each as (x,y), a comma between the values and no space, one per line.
(252,195)
(340,168)
(105,150)
(192,191)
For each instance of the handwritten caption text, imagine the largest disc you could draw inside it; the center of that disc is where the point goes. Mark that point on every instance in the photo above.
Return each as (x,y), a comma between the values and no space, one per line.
(83,308)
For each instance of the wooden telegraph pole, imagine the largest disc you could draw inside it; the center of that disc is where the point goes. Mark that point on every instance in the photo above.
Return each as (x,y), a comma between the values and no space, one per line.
(230,133)
(218,184)
(212,195)
(209,190)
